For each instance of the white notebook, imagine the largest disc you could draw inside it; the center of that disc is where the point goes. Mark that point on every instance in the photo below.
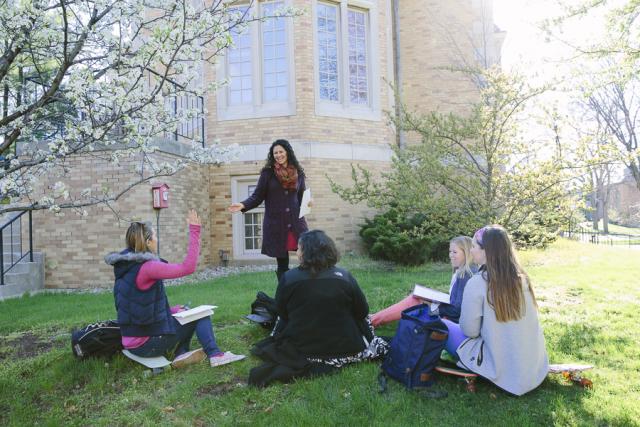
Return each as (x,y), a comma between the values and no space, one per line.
(195,313)
(430,294)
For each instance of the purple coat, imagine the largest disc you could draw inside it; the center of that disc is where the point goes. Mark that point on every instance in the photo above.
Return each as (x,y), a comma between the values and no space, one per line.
(281,207)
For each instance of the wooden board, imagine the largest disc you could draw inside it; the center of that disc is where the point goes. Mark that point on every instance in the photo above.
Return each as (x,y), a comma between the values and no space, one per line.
(149,362)
(456,372)
(572,372)
(559,368)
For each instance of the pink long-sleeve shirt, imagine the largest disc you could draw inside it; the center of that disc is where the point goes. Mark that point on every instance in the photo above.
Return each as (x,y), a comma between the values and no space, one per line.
(152,271)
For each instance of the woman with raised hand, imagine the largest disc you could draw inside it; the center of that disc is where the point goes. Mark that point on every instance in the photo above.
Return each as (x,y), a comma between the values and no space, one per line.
(280,186)
(499,336)
(144,315)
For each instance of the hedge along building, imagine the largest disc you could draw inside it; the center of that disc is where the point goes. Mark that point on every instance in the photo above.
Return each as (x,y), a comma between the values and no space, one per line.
(320,80)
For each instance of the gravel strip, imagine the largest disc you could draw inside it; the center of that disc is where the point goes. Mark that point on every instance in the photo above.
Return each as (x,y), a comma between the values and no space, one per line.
(216,272)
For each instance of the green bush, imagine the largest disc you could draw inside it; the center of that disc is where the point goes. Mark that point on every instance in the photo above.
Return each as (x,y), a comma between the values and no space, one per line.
(409,239)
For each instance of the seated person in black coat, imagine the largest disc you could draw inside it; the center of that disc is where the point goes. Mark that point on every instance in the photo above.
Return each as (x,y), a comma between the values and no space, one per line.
(323,318)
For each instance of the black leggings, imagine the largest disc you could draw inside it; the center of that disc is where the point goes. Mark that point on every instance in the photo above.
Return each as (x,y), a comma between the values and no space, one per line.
(283,264)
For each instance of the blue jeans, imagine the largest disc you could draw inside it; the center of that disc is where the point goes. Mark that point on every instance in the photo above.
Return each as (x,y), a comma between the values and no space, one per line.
(161,344)
(455,337)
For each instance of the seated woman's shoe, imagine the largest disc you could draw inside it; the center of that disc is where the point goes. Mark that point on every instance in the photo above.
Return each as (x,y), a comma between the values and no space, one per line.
(189,358)
(224,358)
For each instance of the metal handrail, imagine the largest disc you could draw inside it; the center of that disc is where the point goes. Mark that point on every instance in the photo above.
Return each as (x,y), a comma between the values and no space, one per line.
(599,237)
(10,223)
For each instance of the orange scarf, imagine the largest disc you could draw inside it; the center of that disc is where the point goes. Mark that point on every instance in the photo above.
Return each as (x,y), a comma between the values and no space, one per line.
(288,176)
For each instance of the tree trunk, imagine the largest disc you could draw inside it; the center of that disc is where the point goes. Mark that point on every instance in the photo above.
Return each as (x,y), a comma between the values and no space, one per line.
(595,216)
(605,218)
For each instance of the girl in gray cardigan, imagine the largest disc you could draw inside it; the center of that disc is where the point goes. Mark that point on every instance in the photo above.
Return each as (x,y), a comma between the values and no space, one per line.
(499,336)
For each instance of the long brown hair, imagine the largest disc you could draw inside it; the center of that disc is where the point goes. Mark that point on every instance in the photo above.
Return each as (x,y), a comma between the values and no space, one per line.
(504,275)
(138,234)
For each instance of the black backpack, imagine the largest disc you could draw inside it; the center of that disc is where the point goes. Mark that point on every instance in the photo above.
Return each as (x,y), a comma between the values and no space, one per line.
(263,310)
(415,348)
(101,339)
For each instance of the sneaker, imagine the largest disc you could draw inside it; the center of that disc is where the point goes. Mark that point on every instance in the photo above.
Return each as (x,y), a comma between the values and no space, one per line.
(189,358)
(224,358)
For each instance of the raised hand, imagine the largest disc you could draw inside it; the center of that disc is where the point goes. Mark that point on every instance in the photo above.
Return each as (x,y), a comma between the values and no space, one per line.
(193,218)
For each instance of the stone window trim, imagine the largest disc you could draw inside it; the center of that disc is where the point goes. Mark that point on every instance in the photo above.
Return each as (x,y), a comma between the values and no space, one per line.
(258,108)
(237,220)
(344,108)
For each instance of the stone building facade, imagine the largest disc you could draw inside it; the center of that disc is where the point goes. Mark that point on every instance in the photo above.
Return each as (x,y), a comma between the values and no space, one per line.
(323,81)
(624,200)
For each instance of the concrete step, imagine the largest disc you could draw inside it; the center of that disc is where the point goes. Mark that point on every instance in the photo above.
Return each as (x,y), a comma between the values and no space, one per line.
(21,267)
(13,252)
(24,277)
(7,259)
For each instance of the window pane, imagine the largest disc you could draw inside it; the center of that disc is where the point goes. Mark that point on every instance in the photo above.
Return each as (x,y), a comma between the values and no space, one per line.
(274,51)
(252,231)
(358,76)
(235,98)
(269,80)
(239,64)
(270,93)
(247,97)
(328,51)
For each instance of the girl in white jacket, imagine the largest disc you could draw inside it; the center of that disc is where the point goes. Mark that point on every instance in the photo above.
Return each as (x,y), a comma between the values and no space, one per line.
(499,336)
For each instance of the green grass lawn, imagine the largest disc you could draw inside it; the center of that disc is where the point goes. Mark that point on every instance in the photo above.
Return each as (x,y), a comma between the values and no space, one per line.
(589,301)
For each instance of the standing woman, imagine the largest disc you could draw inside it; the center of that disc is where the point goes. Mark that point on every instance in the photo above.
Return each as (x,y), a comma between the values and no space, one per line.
(499,336)
(280,186)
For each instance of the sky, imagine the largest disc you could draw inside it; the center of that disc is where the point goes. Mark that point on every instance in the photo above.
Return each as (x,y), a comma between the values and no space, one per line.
(526,47)
(529,51)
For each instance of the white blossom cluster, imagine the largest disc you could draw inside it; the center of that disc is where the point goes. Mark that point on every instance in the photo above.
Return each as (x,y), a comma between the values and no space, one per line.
(106,77)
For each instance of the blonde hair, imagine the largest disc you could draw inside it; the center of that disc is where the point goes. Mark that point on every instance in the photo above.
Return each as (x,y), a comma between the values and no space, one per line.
(138,234)
(464,244)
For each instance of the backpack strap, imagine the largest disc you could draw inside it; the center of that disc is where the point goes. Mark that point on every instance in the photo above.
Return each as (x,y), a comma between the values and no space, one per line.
(382,382)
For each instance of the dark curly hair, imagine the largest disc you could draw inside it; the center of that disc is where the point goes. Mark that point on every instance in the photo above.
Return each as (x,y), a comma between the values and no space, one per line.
(291,156)
(318,251)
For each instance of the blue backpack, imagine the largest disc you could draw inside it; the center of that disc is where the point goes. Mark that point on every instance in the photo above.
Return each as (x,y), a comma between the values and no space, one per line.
(415,348)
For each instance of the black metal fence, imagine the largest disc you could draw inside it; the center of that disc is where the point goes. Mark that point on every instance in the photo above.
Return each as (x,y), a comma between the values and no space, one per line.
(600,238)
(11,243)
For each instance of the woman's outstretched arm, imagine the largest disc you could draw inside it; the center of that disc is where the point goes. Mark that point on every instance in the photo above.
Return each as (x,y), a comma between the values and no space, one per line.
(152,271)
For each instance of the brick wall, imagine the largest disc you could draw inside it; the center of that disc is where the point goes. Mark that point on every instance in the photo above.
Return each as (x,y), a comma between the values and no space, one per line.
(305,125)
(75,246)
(434,33)
(338,218)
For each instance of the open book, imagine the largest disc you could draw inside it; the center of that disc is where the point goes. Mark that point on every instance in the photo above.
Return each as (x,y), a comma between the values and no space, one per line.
(423,292)
(188,316)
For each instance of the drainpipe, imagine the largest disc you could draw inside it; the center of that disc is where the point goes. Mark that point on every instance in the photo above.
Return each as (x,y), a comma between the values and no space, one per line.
(397,67)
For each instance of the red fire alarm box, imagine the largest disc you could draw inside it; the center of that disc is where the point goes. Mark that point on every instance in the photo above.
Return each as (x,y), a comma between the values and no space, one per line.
(160,195)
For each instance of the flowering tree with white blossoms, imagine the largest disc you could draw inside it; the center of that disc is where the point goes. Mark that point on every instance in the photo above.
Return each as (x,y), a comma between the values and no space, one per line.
(103,77)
